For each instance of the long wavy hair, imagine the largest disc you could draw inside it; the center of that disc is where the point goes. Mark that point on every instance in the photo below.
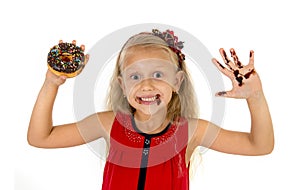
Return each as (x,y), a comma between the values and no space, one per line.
(182,104)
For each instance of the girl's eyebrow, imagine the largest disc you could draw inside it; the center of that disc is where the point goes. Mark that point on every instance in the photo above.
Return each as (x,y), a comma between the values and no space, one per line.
(137,70)
(161,66)
(128,70)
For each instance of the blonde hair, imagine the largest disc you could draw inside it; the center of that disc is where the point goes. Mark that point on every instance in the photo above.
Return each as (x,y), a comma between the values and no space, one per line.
(182,104)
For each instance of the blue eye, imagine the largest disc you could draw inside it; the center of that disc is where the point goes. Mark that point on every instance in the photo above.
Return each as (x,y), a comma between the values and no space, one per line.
(157,74)
(135,77)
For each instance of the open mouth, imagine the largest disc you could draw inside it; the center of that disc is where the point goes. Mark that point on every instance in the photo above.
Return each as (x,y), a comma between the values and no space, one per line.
(148,100)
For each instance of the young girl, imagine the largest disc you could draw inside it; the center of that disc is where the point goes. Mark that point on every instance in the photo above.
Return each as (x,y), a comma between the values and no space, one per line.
(152,127)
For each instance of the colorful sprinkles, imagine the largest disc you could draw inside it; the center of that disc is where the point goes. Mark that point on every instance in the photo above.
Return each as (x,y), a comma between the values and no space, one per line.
(66,58)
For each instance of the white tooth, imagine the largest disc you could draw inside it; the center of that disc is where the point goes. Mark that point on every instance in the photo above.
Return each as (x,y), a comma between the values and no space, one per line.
(148,99)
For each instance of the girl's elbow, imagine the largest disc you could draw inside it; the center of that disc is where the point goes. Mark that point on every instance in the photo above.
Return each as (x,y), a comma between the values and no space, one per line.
(268,149)
(33,142)
(38,143)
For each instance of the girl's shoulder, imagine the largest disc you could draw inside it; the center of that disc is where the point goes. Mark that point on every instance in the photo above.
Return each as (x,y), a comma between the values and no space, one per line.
(196,123)
(106,118)
(202,132)
(197,127)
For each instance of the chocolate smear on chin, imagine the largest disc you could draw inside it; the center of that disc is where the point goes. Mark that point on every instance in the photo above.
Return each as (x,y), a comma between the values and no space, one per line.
(138,100)
(158,100)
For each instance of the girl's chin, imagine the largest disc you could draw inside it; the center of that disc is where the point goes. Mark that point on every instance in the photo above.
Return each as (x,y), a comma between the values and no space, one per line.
(151,109)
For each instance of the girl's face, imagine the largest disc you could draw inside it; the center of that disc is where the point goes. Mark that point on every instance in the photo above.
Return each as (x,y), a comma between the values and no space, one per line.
(148,80)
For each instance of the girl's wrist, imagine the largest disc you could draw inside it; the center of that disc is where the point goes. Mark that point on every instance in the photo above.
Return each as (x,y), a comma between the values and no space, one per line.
(49,84)
(256,97)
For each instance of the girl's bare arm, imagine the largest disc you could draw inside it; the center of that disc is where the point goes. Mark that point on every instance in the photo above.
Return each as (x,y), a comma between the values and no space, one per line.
(259,141)
(42,133)
(246,85)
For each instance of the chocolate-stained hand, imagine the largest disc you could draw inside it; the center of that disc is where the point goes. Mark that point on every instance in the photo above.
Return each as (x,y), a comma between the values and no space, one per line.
(245,80)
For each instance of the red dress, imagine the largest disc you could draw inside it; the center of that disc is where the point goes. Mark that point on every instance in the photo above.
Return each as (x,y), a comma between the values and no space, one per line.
(138,161)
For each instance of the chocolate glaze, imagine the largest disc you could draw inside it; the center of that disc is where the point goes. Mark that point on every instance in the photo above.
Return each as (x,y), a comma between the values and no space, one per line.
(66,58)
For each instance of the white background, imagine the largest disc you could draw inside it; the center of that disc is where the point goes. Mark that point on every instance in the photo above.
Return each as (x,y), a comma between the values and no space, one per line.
(29,28)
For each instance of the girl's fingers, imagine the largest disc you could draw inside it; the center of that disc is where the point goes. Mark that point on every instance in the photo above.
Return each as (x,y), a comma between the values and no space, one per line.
(221,94)
(223,69)
(235,58)
(62,78)
(82,47)
(86,59)
(251,59)
(227,61)
(226,94)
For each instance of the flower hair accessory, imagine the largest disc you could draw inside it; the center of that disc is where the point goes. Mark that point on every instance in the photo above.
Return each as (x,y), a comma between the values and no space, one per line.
(172,41)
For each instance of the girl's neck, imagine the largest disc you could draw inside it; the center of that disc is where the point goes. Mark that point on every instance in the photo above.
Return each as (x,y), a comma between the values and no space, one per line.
(151,124)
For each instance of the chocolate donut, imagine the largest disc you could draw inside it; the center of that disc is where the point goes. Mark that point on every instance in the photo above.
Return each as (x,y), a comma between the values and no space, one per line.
(66,59)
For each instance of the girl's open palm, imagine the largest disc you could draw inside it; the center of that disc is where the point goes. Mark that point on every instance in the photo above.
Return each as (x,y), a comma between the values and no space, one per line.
(245,81)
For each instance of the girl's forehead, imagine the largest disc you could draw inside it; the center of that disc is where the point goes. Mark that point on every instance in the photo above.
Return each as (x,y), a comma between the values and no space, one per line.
(139,53)
(150,64)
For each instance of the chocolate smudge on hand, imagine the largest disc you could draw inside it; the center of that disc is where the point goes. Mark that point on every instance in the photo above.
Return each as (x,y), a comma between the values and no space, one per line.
(236,73)
(239,64)
(240,80)
(225,57)
(221,93)
(236,59)
(247,75)
(220,65)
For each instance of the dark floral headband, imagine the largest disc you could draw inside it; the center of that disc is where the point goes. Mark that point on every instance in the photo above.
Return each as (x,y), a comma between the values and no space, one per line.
(173,43)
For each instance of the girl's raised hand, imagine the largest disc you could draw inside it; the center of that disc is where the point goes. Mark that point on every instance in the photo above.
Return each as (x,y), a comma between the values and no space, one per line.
(53,79)
(245,81)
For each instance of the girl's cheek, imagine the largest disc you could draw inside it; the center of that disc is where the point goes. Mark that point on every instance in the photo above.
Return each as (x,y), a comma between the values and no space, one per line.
(129,83)
(130,88)
(167,82)
(169,79)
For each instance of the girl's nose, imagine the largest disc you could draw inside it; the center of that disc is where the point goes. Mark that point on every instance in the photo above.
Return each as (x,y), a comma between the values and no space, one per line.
(147,85)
